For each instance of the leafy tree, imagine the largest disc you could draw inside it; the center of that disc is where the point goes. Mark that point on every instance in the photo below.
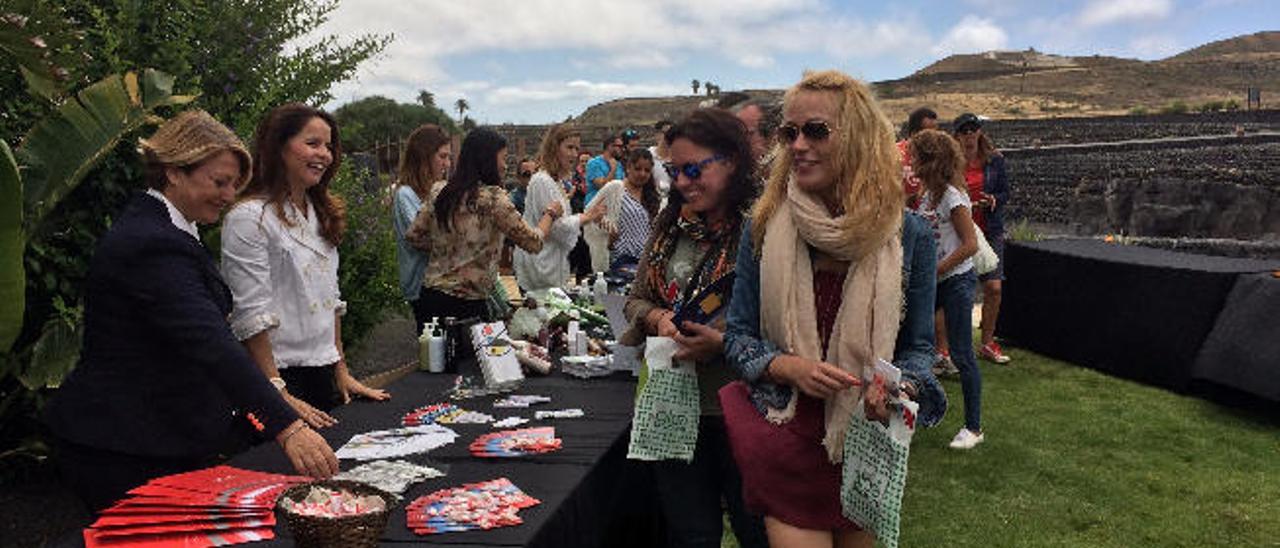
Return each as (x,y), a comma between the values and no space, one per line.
(468,124)
(365,122)
(696,84)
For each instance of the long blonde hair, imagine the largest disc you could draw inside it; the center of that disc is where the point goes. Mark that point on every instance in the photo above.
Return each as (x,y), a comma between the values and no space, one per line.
(868,172)
(549,150)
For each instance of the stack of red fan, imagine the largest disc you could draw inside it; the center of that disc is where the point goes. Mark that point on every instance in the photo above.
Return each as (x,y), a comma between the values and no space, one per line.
(216,506)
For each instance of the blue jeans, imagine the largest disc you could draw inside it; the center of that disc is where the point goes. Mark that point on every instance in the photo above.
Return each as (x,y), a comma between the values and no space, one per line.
(690,494)
(955,298)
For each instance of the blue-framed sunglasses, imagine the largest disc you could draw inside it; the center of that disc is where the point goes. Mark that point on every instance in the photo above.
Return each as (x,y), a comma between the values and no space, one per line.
(692,170)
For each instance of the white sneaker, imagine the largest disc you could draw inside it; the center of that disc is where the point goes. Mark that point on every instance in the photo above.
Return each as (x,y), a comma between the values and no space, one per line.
(966,439)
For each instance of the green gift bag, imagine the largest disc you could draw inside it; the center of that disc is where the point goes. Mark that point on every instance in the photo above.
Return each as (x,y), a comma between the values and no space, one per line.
(874,472)
(665,423)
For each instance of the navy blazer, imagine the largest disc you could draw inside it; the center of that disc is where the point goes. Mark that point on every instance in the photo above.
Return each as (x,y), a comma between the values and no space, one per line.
(160,374)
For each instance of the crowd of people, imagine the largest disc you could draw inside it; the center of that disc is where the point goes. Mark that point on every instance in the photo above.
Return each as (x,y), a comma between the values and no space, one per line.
(844,243)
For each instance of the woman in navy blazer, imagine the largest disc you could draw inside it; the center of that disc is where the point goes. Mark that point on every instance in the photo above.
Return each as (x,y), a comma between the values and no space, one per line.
(162,385)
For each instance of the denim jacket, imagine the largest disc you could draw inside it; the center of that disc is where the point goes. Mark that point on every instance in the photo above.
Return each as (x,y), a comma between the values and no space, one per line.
(996,183)
(749,354)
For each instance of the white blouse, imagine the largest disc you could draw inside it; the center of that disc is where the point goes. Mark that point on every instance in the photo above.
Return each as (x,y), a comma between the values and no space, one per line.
(550,267)
(283,278)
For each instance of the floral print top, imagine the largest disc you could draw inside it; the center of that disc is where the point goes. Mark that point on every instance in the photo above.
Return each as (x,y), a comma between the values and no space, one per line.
(463,260)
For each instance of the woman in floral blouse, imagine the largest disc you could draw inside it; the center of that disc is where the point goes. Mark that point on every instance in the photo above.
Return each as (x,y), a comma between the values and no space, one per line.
(461,228)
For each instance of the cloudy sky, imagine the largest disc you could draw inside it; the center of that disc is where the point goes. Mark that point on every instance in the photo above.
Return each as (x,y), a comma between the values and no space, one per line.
(536,61)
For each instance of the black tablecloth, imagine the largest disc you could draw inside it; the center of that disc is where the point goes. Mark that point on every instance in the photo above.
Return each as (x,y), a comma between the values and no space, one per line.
(591,495)
(1243,350)
(1131,311)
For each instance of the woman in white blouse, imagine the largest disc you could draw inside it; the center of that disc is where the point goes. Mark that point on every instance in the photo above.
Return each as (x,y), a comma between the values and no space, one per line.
(550,267)
(280,258)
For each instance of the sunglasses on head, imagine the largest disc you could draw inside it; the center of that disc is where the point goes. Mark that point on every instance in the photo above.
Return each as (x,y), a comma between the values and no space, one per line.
(692,170)
(813,130)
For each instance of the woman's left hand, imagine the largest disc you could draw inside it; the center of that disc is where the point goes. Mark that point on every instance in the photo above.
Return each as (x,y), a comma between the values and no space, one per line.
(348,386)
(701,344)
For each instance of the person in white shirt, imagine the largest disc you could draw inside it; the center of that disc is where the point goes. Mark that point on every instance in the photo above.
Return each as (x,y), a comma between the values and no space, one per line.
(280,258)
(937,160)
(549,267)
(661,155)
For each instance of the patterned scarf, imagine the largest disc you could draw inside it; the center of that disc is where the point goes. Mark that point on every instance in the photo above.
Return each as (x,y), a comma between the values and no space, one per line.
(720,240)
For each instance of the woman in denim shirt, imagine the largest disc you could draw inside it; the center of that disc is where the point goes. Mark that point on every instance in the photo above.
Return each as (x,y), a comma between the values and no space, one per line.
(831,274)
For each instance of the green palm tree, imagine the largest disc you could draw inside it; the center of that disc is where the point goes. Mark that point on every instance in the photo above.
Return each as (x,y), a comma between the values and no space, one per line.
(463,107)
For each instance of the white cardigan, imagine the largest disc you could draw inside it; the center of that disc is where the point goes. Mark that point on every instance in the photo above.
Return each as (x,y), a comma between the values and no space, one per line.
(283,278)
(550,267)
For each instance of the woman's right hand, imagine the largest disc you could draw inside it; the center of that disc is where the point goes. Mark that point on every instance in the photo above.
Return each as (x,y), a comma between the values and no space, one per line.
(817,379)
(314,417)
(309,453)
(554,209)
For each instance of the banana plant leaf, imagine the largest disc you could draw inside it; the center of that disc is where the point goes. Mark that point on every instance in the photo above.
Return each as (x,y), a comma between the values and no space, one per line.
(64,147)
(13,279)
(53,356)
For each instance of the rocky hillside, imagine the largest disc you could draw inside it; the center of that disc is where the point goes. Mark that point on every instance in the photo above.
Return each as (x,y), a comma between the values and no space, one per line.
(1033,84)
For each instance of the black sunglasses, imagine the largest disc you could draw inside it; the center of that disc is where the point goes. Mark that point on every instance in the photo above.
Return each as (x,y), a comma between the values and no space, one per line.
(692,170)
(813,130)
(966,130)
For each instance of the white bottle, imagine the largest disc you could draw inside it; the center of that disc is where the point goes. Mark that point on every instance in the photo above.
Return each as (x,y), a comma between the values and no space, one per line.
(436,351)
(600,289)
(574,335)
(424,348)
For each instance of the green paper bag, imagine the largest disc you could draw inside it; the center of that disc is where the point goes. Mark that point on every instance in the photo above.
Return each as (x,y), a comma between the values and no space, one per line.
(665,423)
(874,473)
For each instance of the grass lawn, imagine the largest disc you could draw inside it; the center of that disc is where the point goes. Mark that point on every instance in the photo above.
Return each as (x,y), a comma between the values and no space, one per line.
(1075,458)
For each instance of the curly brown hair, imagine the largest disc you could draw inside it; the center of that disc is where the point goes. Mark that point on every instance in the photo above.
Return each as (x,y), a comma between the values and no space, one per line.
(937,160)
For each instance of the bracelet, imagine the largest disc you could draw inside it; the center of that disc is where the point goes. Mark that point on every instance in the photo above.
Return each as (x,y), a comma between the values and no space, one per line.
(291,432)
(277,382)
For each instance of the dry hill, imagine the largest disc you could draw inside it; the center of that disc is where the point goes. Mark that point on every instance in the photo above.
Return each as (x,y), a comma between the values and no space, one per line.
(1032,84)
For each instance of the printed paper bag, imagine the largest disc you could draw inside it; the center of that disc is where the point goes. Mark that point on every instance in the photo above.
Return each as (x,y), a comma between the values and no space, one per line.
(665,424)
(874,471)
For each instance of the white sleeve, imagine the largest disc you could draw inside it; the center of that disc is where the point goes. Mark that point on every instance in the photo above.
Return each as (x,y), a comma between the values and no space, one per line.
(247,269)
(541,192)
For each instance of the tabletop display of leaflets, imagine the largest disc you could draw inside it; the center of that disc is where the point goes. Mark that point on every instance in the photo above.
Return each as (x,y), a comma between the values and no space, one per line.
(665,423)
(521,400)
(574,413)
(485,505)
(497,357)
(516,443)
(217,506)
(396,442)
(392,476)
(443,413)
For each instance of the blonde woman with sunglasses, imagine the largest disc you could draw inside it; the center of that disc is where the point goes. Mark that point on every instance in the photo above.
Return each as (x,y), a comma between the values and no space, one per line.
(819,296)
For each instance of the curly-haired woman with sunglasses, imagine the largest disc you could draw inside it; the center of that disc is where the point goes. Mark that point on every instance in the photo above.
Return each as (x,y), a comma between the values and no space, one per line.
(831,275)
(692,244)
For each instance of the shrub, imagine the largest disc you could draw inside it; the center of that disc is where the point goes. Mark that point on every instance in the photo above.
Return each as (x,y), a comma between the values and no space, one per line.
(367,274)
(1022,231)
(1139,111)
(1176,107)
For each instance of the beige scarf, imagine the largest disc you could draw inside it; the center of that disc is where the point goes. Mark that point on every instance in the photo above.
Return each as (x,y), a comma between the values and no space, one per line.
(866,326)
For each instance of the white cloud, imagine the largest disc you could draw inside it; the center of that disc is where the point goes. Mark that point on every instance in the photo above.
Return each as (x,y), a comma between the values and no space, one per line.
(1154,46)
(577,89)
(972,34)
(656,34)
(640,60)
(1107,12)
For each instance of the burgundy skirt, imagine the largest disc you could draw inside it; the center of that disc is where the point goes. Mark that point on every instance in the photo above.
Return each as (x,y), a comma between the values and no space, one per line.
(785,470)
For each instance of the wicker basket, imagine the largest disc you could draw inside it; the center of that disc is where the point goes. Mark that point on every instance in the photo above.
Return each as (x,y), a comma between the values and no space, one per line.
(348,531)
